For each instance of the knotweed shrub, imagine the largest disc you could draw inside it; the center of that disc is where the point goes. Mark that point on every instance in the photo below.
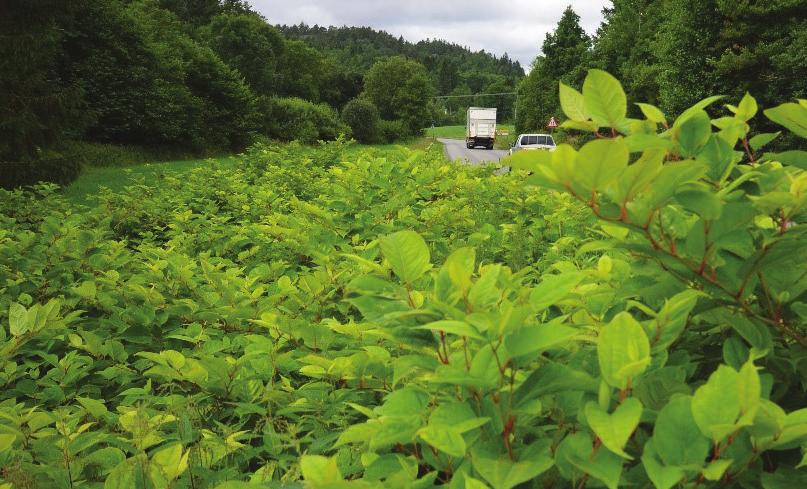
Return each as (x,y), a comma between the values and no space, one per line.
(629,314)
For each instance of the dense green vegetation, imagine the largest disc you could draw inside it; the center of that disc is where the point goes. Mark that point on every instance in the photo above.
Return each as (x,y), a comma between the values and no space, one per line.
(454,69)
(185,77)
(673,53)
(629,314)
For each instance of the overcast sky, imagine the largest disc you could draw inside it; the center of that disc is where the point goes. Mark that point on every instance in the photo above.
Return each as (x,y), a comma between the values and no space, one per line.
(517,27)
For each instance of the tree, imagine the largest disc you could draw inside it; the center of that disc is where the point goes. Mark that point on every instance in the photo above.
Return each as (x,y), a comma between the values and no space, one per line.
(300,71)
(624,46)
(401,90)
(250,45)
(565,57)
(362,117)
(685,42)
(36,105)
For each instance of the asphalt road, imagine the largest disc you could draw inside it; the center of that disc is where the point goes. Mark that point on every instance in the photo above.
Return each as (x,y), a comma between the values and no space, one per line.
(455,150)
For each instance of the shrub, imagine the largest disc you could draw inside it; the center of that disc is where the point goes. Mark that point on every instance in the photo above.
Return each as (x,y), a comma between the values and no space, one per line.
(391,131)
(49,167)
(362,117)
(295,119)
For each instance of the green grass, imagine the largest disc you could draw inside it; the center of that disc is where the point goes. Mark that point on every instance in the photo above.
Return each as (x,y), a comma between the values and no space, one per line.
(458,132)
(115,178)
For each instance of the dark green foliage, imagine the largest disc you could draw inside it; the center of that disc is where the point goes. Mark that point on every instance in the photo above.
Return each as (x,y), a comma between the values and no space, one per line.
(362,117)
(301,71)
(249,45)
(36,105)
(565,58)
(391,131)
(401,90)
(290,119)
(358,48)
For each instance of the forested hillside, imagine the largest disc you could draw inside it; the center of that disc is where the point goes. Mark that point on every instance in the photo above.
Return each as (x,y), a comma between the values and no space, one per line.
(200,77)
(454,69)
(675,52)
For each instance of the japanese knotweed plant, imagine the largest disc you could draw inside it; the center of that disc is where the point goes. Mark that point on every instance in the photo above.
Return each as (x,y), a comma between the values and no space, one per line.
(680,360)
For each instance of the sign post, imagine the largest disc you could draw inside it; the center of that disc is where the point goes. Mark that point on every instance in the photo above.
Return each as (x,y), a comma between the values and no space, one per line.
(552,124)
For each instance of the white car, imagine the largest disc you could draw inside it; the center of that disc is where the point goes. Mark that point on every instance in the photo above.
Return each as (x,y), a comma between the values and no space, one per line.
(533,142)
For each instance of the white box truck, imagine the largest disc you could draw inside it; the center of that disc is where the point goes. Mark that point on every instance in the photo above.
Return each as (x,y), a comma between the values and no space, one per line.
(480,129)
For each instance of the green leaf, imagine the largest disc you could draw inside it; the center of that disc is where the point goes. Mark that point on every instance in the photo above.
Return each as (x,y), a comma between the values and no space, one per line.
(615,429)
(604,99)
(86,290)
(695,109)
(320,470)
(652,113)
(532,339)
(502,473)
(551,378)
(790,115)
(716,404)
(6,442)
(693,133)
(662,477)
(460,266)
(18,319)
(553,288)
(702,202)
(623,350)
(459,328)
(676,437)
(572,103)
(638,177)
(444,438)
(407,254)
(796,158)
(171,460)
(600,162)
(576,451)
(715,470)
(124,475)
(671,320)
(94,407)
(760,140)
(747,108)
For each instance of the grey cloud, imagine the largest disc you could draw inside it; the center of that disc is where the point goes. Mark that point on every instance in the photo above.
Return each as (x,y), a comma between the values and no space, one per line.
(517,27)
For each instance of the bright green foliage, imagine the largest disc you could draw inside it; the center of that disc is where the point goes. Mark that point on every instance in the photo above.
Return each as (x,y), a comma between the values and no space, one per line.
(627,315)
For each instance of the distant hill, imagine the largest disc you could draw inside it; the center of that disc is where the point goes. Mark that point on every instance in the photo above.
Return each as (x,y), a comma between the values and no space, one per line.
(451,65)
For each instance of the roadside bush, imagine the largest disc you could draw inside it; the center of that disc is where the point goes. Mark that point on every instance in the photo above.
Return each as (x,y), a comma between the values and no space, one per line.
(50,167)
(362,117)
(295,119)
(391,131)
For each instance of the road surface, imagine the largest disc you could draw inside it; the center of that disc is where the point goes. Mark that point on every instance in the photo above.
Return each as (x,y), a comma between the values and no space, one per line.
(455,150)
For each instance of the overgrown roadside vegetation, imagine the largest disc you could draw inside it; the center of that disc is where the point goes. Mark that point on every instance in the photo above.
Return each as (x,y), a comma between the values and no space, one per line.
(629,314)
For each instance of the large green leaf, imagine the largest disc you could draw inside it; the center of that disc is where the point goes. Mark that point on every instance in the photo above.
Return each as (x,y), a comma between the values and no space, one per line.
(790,115)
(676,437)
(576,451)
(600,162)
(572,103)
(623,350)
(407,254)
(604,99)
(502,473)
(444,438)
(615,429)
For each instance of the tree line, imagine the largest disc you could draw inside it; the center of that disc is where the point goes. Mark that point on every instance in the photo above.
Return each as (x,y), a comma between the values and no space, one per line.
(201,76)
(672,53)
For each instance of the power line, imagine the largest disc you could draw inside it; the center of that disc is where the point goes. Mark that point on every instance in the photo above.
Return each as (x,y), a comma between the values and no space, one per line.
(476,95)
